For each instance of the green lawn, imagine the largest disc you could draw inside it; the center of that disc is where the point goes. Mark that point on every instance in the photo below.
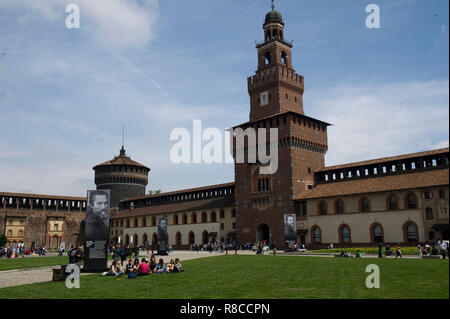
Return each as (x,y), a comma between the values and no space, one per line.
(32,262)
(262,277)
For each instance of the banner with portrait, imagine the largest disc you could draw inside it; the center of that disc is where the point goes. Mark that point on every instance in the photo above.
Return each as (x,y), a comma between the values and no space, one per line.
(96,227)
(290,227)
(163,236)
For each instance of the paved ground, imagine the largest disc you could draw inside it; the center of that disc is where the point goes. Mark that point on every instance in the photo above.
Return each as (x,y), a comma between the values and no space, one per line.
(19,277)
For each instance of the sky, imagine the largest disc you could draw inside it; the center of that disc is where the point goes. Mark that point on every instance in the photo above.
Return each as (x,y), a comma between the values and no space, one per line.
(154,66)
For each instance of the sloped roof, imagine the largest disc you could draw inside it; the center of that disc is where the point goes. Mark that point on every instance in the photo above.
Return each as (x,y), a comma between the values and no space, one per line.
(122,159)
(385,159)
(429,178)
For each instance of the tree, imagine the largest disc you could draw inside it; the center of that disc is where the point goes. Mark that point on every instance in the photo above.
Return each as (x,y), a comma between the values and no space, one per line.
(152,192)
(3,240)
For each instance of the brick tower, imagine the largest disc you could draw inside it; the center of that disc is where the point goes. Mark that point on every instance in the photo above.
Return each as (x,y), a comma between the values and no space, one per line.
(123,176)
(276,101)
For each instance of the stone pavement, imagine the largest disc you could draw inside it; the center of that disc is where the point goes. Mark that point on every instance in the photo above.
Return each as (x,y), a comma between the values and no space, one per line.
(19,277)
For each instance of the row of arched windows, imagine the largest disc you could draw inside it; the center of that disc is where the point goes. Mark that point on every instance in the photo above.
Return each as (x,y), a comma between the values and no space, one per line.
(392,203)
(176,220)
(376,233)
(144,240)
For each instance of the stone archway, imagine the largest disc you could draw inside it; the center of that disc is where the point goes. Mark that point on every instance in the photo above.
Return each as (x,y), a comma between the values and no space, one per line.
(263,233)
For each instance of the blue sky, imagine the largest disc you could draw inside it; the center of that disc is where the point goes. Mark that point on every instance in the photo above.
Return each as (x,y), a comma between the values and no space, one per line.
(157,65)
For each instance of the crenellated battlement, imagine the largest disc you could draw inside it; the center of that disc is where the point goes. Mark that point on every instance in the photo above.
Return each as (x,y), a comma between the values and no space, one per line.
(278,73)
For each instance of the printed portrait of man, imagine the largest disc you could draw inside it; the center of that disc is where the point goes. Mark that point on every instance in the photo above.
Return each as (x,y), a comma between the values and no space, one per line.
(97,215)
(290,229)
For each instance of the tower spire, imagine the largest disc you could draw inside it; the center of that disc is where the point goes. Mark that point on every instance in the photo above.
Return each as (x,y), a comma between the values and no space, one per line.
(273,5)
(122,150)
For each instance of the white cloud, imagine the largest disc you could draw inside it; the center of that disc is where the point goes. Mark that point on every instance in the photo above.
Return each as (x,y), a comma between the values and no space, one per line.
(371,121)
(114,23)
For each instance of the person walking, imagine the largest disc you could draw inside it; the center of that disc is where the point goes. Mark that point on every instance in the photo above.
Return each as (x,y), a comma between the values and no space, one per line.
(398,251)
(122,254)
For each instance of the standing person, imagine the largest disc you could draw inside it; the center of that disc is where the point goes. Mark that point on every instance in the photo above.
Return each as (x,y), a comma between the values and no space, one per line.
(122,254)
(444,249)
(116,252)
(419,250)
(197,248)
(398,251)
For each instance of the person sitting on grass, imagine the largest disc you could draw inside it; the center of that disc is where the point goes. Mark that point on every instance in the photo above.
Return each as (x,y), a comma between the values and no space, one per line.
(178,267)
(358,254)
(170,266)
(135,264)
(160,267)
(143,268)
(129,266)
(152,263)
(115,269)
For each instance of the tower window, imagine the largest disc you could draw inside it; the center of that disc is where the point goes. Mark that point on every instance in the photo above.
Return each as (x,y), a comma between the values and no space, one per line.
(268,58)
(284,57)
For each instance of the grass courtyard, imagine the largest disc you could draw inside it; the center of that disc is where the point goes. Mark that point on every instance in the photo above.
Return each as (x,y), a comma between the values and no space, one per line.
(263,277)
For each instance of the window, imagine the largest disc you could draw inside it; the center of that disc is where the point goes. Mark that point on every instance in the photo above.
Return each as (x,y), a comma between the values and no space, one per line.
(300,208)
(427,195)
(411,201)
(55,227)
(441,193)
(136,223)
(144,222)
(377,234)
(9,234)
(153,221)
(345,233)
(322,208)
(339,206)
(233,213)
(428,213)
(175,220)
(213,217)
(411,233)
(204,218)
(365,204)
(222,214)
(234,225)
(221,226)
(393,202)
(316,235)
(128,223)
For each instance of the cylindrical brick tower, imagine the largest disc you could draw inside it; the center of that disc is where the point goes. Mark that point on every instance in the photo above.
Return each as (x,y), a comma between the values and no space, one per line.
(123,176)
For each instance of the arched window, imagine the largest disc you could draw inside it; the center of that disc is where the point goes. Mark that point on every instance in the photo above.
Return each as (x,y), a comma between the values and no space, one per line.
(316,235)
(184,218)
(429,213)
(9,234)
(194,218)
(322,207)
(411,233)
(204,217)
(233,213)
(191,238)
(144,222)
(268,58)
(345,234)
(411,200)
(364,204)
(283,57)
(128,223)
(135,222)
(339,206)
(175,219)
(153,221)
(178,239)
(377,233)
(392,202)
(205,237)
(20,233)
(222,213)
(213,217)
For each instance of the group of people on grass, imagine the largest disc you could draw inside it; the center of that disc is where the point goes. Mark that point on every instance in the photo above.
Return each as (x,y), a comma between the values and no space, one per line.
(433,249)
(143,268)
(21,251)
